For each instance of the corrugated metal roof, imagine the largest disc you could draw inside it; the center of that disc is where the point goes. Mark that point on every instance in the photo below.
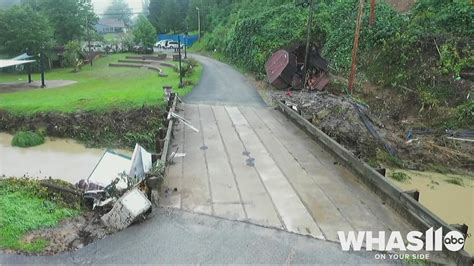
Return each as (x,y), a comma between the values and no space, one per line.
(11,62)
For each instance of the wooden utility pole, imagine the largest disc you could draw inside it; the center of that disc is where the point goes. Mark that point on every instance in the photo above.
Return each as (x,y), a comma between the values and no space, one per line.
(308,39)
(355,47)
(372,12)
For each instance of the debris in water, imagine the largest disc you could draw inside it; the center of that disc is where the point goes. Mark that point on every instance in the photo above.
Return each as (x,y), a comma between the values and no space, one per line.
(114,174)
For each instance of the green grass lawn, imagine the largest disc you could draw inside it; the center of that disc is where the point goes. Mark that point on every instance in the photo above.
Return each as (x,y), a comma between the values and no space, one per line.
(24,207)
(98,88)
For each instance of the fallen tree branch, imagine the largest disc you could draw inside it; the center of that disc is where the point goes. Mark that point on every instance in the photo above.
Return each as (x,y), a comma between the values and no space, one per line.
(59,188)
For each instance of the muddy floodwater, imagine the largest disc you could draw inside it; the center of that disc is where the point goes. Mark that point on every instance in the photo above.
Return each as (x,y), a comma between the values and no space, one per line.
(57,158)
(452,203)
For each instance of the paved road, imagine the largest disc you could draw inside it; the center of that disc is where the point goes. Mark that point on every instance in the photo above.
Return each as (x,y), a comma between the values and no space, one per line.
(177,237)
(221,84)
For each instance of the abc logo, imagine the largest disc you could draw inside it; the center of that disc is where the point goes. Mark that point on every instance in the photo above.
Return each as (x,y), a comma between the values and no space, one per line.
(453,241)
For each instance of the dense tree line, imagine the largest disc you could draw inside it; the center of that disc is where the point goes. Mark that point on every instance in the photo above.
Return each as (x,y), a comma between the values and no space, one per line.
(120,10)
(42,24)
(170,16)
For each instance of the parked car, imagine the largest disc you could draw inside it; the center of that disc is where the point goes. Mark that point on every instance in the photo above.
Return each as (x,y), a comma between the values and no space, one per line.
(162,43)
(140,49)
(174,45)
(94,46)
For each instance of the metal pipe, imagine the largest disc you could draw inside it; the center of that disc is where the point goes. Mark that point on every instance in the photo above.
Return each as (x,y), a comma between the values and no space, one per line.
(199,24)
(186,43)
(43,85)
(180,70)
(28,69)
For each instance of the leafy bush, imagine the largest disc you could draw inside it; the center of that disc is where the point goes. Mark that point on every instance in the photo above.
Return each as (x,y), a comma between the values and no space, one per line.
(455,181)
(464,114)
(400,176)
(27,139)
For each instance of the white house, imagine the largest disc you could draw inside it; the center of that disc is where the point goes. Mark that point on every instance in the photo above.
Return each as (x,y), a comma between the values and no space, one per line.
(110,25)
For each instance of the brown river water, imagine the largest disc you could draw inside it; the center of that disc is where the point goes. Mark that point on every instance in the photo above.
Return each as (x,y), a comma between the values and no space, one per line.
(70,161)
(57,158)
(452,203)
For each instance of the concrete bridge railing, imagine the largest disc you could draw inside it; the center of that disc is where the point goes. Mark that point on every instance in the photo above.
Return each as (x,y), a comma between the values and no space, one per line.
(401,202)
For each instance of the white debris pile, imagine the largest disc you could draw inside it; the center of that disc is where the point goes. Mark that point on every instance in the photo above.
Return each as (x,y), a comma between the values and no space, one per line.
(127,209)
(119,183)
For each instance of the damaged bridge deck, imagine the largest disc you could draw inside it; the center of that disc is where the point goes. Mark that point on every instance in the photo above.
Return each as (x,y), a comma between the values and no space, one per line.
(252,164)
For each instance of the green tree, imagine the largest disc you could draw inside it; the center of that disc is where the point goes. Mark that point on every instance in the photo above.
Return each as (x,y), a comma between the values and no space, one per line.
(119,10)
(168,15)
(154,14)
(72,55)
(144,32)
(22,29)
(127,41)
(70,19)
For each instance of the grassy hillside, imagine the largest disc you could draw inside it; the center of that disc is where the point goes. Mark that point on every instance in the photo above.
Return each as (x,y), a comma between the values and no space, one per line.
(420,53)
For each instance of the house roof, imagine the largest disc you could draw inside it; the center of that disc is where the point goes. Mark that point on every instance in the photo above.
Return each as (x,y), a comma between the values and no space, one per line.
(111,22)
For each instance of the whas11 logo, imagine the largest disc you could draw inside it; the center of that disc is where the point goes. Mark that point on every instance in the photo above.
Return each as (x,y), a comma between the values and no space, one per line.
(433,240)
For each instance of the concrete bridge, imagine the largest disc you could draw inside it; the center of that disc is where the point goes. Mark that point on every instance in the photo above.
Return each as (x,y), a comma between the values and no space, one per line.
(251,163)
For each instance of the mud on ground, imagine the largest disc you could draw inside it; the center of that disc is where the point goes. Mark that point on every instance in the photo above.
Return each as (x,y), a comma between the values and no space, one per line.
(71,234)
(338,117)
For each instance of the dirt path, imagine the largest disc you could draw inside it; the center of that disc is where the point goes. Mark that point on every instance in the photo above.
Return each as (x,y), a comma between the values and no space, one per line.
(25,86)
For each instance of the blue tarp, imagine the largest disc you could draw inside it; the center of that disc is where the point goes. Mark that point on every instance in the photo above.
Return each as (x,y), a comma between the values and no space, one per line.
(188,41)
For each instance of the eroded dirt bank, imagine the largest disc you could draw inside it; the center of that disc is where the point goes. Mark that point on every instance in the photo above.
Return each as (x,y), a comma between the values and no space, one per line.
(112,129)
(70,234)
(338,117)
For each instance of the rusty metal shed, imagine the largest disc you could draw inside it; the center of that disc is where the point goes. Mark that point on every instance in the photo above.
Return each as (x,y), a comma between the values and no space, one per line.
(280,68)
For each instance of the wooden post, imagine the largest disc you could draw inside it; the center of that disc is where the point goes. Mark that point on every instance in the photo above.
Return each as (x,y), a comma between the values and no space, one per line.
(355,47)
(308,40)
(43,85)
